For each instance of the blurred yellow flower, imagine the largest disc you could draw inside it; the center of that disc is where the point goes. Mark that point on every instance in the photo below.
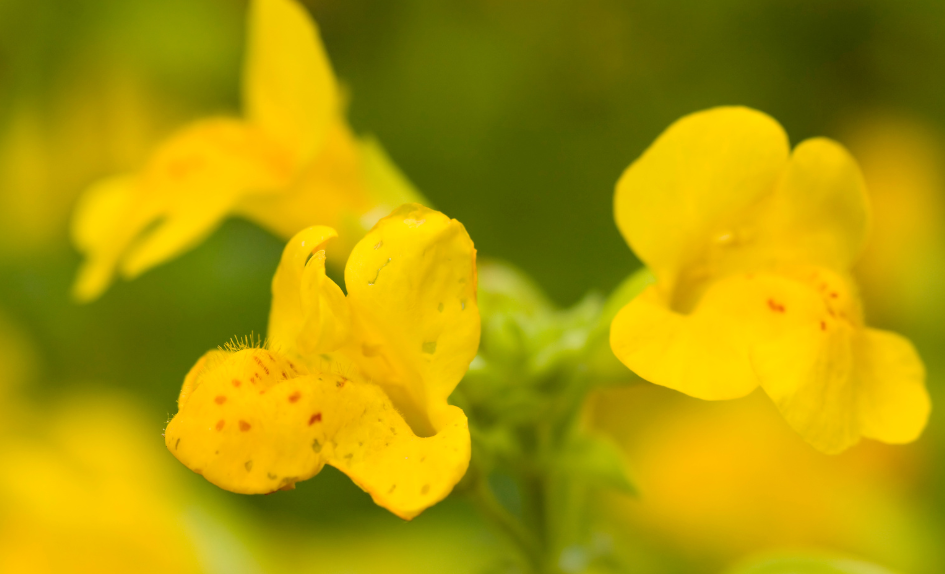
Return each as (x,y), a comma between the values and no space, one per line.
(752,247)
(359,382)
(721,480)
(81,490)
(290,162)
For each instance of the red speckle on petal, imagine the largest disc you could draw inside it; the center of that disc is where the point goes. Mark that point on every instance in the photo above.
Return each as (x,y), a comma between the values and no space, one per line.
(317,417)
(220,424)
(220,399)
(294,396)
(823,326)
(260,363)
(245,426)
(775,306)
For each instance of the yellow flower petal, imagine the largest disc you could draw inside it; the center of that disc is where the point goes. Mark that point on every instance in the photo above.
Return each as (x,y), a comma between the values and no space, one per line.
(289,88)
(892,402)
(808,373)
(187,188)
(703,354)
(412,292)
(819,213)
(331,190)
(309,312)
(96,224)
(696,183)
(252,422)
(832,379)
(193,181)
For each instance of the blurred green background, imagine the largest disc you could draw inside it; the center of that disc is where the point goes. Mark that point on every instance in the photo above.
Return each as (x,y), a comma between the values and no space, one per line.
(514,116)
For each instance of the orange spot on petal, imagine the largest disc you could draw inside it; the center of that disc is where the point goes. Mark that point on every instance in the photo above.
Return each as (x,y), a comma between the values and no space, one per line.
(220,399)
(245,426)
(220,424)
(236,382)
(317,417)
(294,396)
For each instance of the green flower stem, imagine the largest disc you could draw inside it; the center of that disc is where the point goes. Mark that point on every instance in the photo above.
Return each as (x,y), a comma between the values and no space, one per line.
(524,540)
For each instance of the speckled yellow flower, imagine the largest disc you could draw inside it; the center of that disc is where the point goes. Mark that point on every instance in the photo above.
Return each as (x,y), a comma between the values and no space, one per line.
(752,245)
(358,381)
(291,161)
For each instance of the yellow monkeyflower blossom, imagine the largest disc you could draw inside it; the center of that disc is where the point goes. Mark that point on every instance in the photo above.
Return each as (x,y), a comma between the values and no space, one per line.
(358,381)
(752,246)
(291,161)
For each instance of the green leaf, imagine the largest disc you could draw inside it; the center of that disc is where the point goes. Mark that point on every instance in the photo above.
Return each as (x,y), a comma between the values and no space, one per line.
(597,461)
(800,564)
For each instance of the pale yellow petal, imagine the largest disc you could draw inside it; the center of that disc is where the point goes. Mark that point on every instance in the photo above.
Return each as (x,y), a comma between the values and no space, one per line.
(819,213)
(331,190)
(695,183)
(348,185)
(893,404)
(289,88)
(189,185)
(97,229)
(412,290)
(254,423)
(299,289)
(192,182)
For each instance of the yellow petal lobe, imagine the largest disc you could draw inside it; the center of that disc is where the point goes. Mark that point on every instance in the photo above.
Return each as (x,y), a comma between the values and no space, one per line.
(309,313)
(188,186)
(695,183)
(192,182)
(892,402)
(819,213)
(289,88)
(411,285)
(97,221)
(349,185)
(703,354)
